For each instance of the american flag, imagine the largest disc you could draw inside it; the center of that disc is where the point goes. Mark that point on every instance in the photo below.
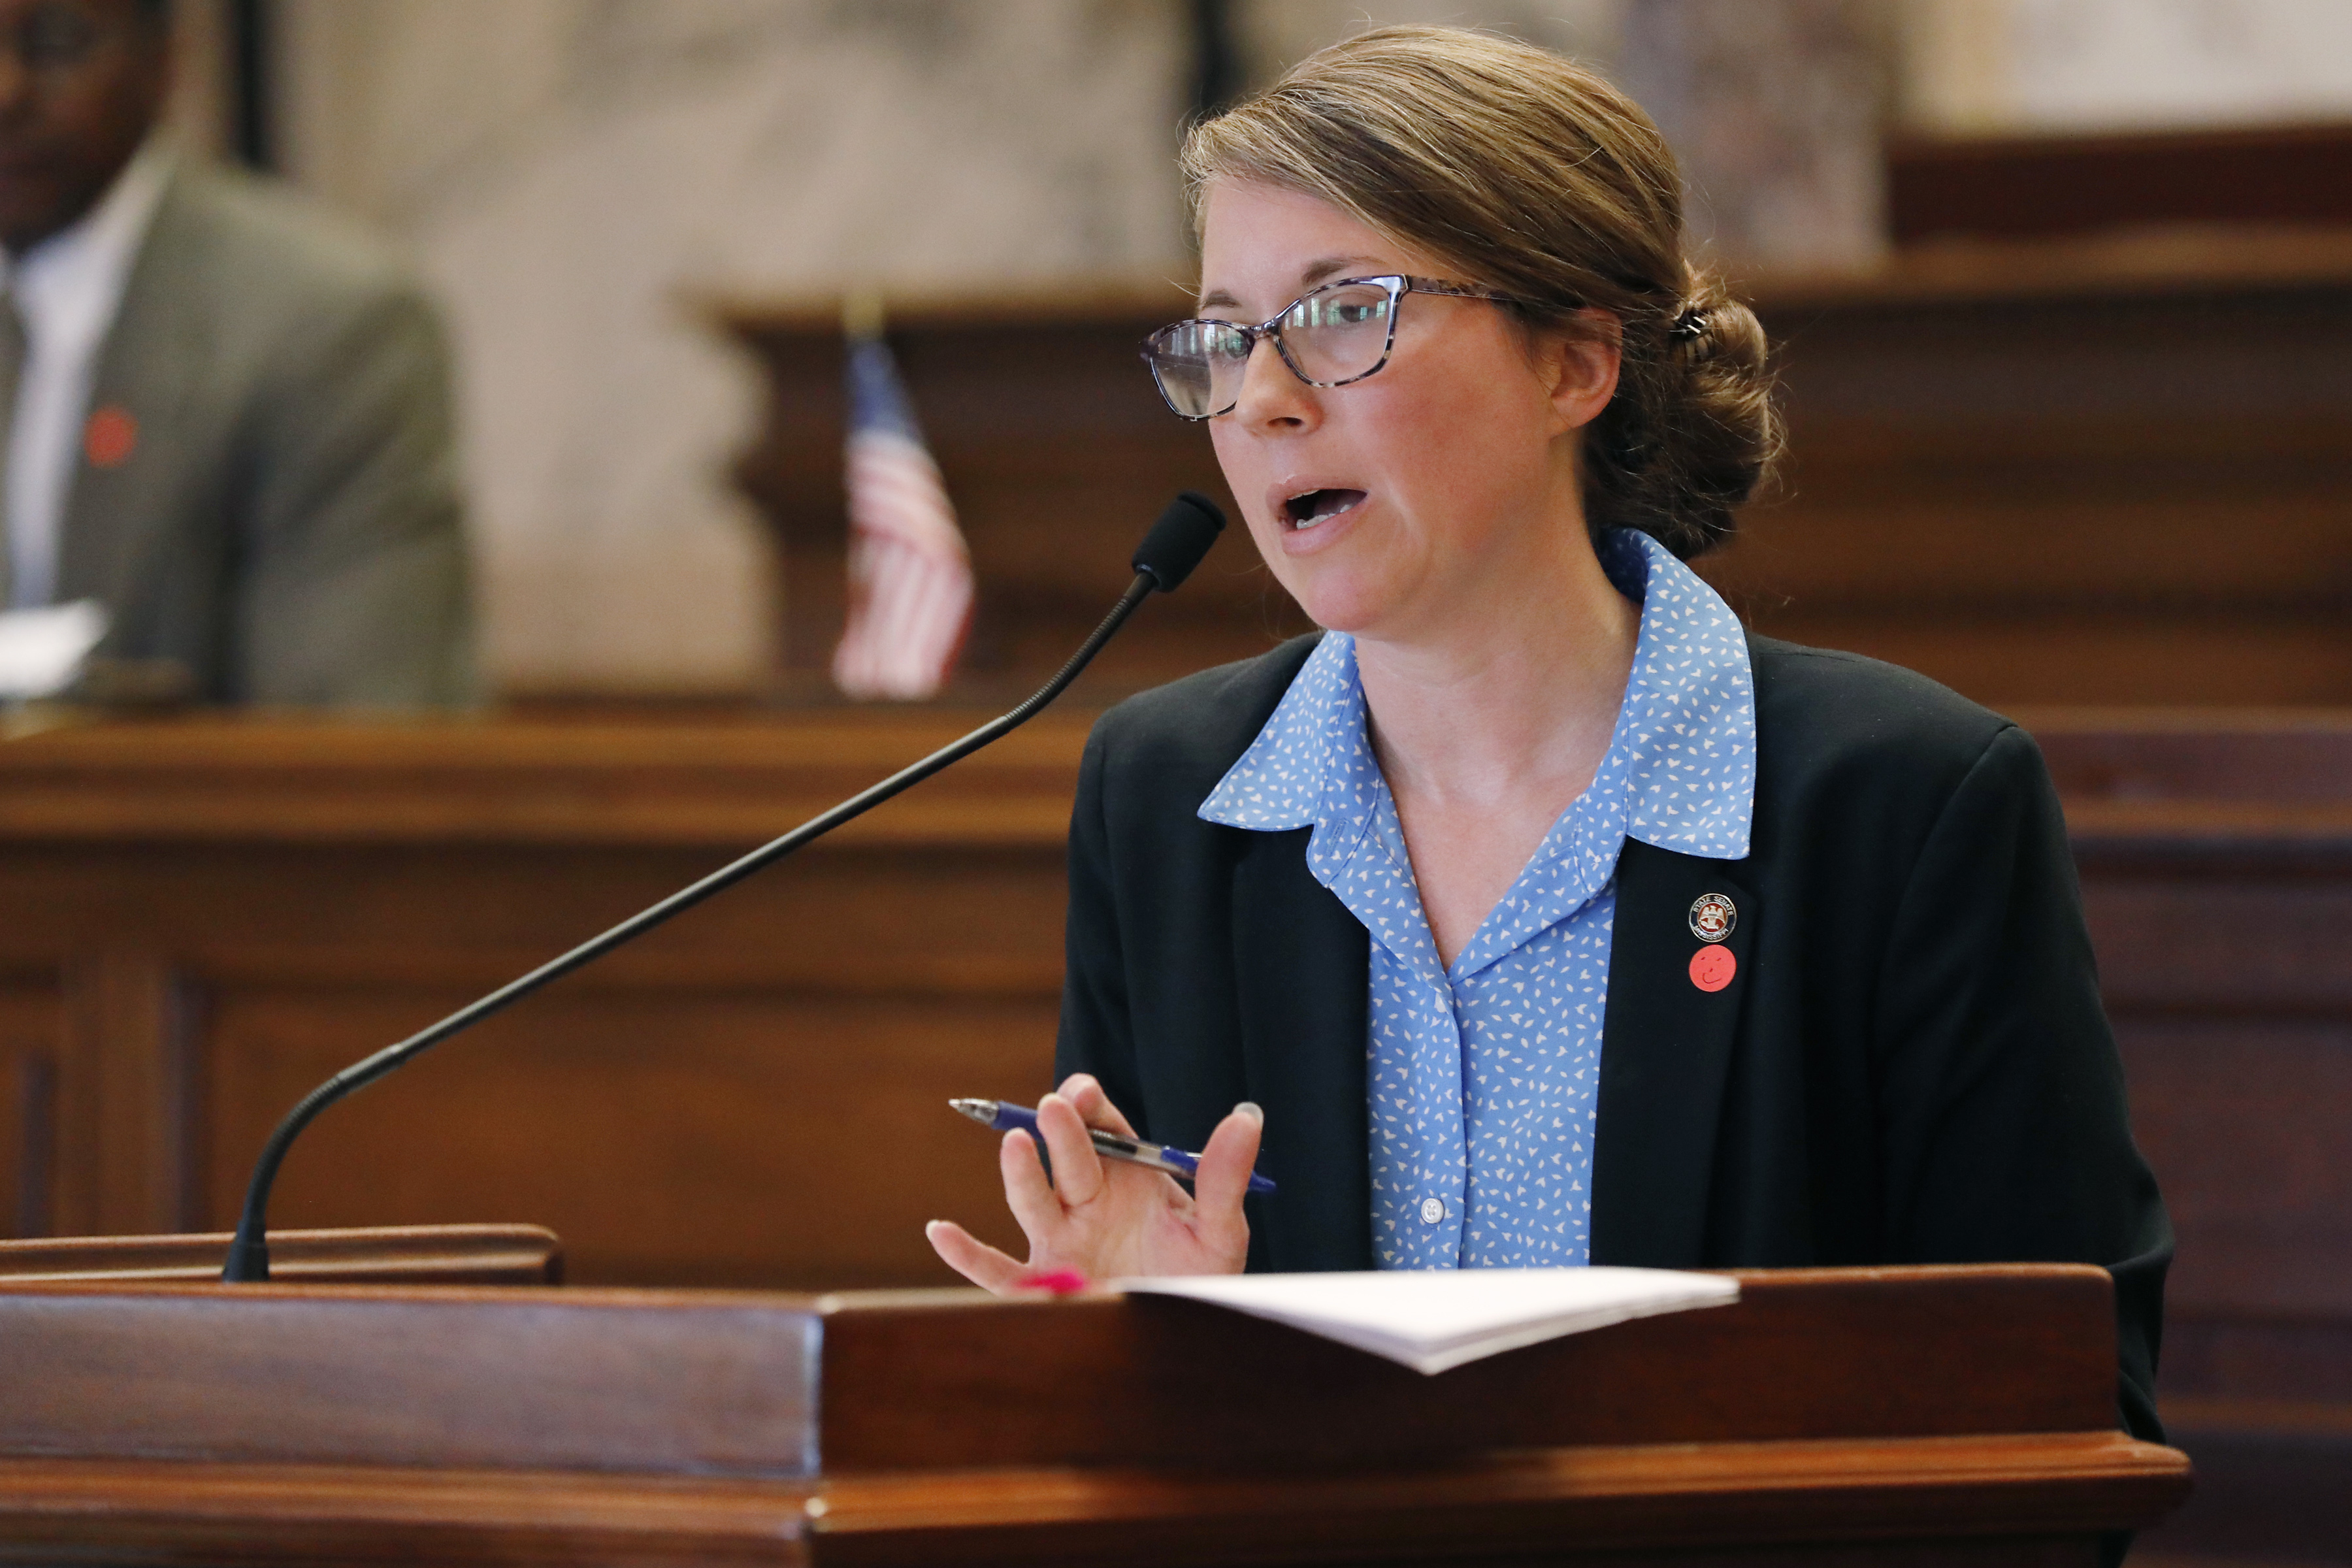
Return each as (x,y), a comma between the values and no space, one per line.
(909,574)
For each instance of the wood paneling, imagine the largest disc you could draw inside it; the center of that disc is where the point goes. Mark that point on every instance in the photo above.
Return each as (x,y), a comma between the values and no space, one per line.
(31,1029)
(2215,858)
(750,1136)
(394,1255)
(2067,498)
(2254,1158)
(2037,1342)
(1657,1504)
(467,1424)
(947,1381)
(653,780)
(525,1378)
(751,1097)
(147,1513)
(2018,187)
(240,910)
(123,1120)
(2111,471)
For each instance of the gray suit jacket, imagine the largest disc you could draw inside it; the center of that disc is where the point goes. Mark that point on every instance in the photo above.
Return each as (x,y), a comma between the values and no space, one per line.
(285,522)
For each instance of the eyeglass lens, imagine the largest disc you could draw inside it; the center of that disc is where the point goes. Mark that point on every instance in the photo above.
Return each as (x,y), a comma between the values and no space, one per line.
(1337,333)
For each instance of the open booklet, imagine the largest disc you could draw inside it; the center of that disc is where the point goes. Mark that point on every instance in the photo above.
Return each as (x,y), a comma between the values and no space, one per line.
(1436,1320)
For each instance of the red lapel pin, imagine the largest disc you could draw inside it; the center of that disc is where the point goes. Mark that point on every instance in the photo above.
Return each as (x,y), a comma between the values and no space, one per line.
(110,437)
(1711,968)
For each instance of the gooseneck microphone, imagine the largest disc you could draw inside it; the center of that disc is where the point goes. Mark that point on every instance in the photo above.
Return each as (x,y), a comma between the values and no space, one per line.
(1166,557)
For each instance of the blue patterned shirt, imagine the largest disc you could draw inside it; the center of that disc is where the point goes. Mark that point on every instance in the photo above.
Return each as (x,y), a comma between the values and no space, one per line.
(1482,1078)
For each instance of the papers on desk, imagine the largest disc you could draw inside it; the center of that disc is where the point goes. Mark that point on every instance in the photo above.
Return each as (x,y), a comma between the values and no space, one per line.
(41,651)
(1436,1320)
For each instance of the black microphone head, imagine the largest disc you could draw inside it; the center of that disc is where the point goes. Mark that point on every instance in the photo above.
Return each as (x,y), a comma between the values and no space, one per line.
(1179,540)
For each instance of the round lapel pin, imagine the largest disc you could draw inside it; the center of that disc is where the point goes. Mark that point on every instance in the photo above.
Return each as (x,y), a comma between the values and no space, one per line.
(110,437)
(1712,916)
(1711,968)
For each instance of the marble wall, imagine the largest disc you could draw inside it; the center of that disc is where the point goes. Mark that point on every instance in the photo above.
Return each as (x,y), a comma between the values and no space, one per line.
(1271,34)
(581,177)
(578,176)
(1776,112)
(2007,66)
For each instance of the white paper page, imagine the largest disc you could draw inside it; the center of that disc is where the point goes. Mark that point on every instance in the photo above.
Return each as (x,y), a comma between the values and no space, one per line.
(1436,1320)
(42,650)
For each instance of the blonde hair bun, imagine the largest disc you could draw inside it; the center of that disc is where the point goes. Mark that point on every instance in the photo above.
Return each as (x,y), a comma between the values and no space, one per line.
(1531,175)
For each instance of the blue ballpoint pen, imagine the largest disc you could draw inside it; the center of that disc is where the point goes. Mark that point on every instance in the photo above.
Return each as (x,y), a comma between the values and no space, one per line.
(1004,1118)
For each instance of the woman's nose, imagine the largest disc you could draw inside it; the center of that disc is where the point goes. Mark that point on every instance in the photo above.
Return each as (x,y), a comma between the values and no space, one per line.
(1272,396)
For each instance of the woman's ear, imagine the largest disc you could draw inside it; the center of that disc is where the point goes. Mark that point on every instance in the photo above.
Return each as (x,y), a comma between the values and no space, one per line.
(1580,363)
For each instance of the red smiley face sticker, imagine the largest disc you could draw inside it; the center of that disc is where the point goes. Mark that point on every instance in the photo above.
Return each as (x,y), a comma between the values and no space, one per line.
(1711,968)
(110,437)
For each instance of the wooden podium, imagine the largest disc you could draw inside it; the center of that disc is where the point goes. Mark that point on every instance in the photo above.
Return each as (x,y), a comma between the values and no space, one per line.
(1923,1415)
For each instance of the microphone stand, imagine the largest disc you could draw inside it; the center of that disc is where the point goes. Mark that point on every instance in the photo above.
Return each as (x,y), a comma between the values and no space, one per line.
(1167,556)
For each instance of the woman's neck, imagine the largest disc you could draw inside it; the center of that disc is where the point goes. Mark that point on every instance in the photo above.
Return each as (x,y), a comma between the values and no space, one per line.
(1489,721)
(1517,696)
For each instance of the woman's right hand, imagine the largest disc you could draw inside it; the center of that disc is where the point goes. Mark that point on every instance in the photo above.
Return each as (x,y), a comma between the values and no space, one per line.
(1106,1219)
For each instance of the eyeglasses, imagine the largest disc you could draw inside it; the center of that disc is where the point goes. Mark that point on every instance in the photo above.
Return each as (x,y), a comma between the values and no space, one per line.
(1341,332)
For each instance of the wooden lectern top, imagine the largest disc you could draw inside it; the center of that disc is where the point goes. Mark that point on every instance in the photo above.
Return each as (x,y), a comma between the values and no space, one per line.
(375,1255)
(1943,1414)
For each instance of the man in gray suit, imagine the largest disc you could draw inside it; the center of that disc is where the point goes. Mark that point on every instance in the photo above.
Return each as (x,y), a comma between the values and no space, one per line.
(229,415)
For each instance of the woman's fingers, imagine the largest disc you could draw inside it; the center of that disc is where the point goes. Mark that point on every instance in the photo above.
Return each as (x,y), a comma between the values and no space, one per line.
(1077,1169)
(977,1261)
(1026,1192)
(1094,1107)
(1222,1180)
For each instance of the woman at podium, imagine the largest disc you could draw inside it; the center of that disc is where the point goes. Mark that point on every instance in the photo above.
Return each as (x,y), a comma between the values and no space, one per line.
(1535,913)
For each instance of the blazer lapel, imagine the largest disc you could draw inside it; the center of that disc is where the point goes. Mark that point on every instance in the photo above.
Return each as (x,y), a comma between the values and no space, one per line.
(1666,1046)
(130,455)
(1303,976)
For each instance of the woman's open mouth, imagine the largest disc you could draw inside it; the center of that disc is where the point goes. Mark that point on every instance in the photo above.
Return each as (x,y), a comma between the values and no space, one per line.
(1308,508)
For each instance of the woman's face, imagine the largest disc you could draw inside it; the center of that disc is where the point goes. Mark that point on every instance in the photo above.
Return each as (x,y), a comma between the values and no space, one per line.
(1398,505)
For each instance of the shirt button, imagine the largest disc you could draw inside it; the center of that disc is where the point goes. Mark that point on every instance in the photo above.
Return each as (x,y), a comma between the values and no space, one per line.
(1432,1211)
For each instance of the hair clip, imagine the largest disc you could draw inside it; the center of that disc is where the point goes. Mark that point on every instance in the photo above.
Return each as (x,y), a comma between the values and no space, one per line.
(1689,325)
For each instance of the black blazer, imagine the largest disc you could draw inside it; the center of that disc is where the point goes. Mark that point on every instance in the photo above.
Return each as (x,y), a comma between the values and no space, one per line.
(1909,1065)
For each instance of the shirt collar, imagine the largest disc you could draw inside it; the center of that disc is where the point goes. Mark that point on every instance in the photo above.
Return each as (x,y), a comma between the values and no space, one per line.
(1681,759)
(1279,782)
(70,282)
(1687,731)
